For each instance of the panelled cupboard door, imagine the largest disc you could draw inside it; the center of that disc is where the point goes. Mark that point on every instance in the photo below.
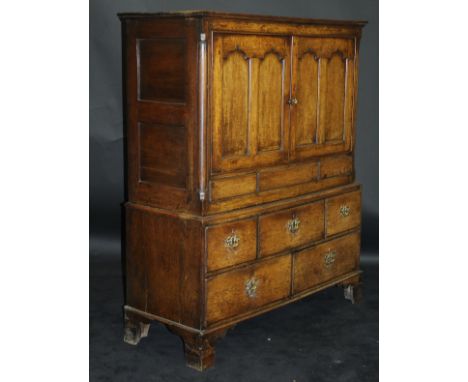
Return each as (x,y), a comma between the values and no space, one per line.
(323,88)
(249,104)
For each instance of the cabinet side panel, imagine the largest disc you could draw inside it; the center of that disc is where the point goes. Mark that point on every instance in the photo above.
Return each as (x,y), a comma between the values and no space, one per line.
(161,80)
(163,158)
(135,262)
(161,74)
(163,265)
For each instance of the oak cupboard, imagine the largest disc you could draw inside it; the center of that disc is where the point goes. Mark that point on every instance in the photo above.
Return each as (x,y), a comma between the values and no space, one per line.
(240,133)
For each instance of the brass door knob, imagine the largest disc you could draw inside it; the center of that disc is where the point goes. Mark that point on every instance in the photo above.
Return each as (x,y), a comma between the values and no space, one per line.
(251,286)
(232,241)
(345,210)
(293,224)
(329,258)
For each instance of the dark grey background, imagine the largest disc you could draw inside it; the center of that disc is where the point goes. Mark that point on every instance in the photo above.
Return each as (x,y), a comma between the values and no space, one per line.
(106,129)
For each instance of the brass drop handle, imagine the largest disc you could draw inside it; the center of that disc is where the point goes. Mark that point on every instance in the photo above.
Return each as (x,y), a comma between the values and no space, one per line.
(344,210)
(293,101)
(293,224)
(251,286)
(329,258)
(232,241)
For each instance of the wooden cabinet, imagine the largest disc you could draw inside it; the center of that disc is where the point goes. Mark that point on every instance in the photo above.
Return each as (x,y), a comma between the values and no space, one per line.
(239,168)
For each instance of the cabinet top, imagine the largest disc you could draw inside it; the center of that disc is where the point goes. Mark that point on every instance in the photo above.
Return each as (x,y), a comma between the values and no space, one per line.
(240,16)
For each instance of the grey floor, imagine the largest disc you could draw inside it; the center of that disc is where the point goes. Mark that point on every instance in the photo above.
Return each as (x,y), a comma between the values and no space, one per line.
(321,338)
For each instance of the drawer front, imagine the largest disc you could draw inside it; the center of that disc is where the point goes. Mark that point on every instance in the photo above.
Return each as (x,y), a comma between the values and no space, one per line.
(233,186)
(326,261)
(343,212)
(336,166)
(243,290)
(232,243)
(287,229)
(270,179)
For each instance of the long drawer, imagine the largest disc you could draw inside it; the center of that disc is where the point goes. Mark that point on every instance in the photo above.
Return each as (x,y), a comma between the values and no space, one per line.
(243,290)
(328,260)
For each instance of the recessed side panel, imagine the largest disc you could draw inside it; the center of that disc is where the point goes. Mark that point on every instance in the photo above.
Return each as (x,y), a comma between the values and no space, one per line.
(161,74)
(163,158)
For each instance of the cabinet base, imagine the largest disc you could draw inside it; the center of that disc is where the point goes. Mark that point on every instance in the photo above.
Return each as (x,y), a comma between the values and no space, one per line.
(353,290)
(135,328)
(199,348)
(199,345)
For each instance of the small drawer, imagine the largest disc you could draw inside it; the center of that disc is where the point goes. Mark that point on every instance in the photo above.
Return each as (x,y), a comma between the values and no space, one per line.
(233,186)
(316,265)
(287,176)
(338,165)
(230,244)
(287,229)
(343,212)
(244,290)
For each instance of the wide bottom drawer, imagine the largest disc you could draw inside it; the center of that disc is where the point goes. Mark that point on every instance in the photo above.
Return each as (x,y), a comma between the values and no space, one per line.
(243,290)
(328,260)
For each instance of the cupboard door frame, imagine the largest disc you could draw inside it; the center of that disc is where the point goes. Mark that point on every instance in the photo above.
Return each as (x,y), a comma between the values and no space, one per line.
(253,156)
(318,145)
